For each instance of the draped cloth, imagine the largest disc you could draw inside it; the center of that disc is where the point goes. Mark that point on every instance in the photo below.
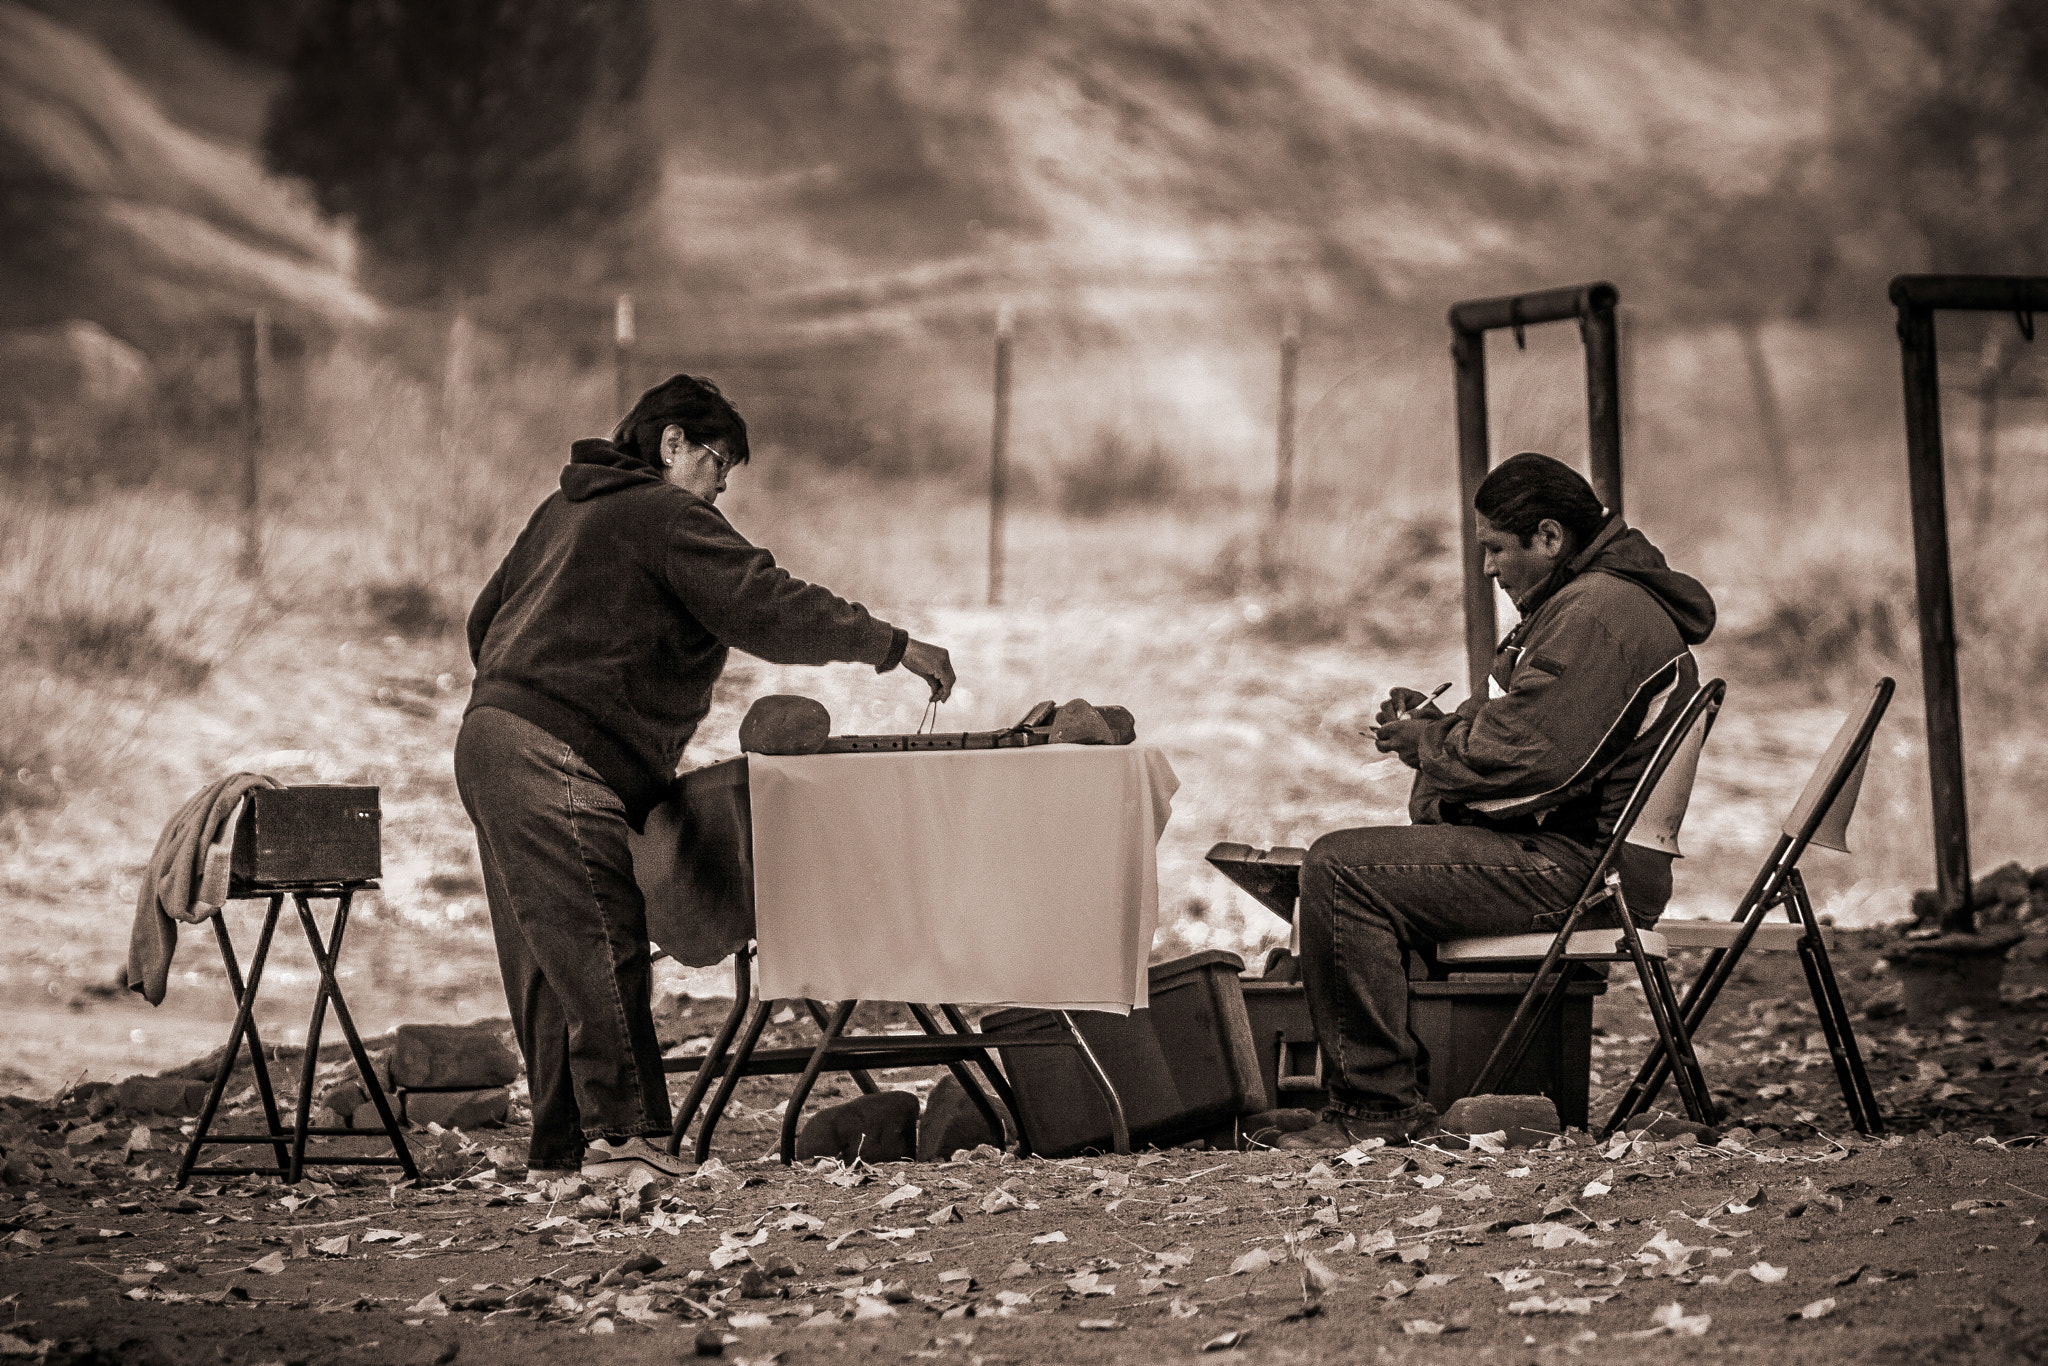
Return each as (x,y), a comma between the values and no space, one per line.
(1010,876)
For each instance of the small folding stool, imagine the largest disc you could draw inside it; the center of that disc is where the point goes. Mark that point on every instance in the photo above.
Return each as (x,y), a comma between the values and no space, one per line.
(286,838)
(1820,816)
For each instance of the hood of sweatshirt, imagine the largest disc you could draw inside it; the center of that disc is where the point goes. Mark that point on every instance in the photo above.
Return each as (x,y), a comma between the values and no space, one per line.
(1626,553)
(597,467)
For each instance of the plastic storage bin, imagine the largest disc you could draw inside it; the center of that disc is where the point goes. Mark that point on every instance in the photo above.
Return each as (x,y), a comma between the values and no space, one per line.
(1181,1067)
(1457,1021)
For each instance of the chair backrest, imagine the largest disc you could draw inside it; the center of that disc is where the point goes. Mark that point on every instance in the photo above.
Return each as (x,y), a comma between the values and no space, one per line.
(1663,811)
(1821,815)
(1687,734)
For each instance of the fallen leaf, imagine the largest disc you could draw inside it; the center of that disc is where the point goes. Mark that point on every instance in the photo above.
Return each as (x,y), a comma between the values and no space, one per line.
(1253,1262)
(333,1247)
(1000,1202)
(868,1307)
(1012,1299)
(269,1265)
(1223,1342)
(1089,1283)
(1427,1219)
(1818,1309)
(1181,1309)
(944,1214)
(1515,1280)
(751,1321)
(1767,1274)
(1430,1182)
(1495,1142)
(1421,1328)
(1098,1325)
(1054,1237)
(898,1196)
(1317,1277)
(1673,1319)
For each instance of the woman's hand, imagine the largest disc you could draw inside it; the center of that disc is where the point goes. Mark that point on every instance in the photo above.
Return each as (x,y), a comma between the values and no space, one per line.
(933,665)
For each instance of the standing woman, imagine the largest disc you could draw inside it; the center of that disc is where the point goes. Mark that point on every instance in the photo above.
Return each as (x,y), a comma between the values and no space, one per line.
(596,644)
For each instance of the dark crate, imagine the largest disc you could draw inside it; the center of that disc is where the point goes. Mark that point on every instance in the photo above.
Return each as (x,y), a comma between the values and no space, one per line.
(1286,1041)
(1181,1067)
(316,834)
(1457,1022)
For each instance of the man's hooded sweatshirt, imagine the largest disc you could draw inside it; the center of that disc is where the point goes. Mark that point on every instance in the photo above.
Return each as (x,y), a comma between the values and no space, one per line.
(609,621)
(1583,691)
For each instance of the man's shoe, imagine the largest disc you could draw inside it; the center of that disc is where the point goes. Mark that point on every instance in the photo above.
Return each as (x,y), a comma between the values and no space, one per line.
(1339,1131)
(603,1159)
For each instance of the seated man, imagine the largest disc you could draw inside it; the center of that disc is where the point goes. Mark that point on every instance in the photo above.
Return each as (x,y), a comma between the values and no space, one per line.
(1514,793)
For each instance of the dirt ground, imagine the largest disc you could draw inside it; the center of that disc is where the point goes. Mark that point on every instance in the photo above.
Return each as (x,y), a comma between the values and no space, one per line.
(1790,1234)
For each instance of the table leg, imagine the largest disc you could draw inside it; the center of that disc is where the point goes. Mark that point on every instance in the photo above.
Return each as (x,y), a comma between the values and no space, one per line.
(1120,1132)
(742,994)
(923,1016)
(331,992)
(310,1069)
(998,1082)
(245,1006)
(823,1018)
(757,1020)
(792,1112)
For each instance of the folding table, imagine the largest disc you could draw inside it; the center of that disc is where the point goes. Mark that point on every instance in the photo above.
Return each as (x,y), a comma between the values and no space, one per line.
(910,876)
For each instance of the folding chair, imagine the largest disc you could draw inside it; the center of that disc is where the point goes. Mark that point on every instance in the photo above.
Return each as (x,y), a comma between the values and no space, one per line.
(1820,816)
(1651,818)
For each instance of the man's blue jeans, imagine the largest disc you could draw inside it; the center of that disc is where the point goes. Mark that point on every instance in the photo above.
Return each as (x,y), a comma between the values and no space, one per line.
(572,934)
(1368,894)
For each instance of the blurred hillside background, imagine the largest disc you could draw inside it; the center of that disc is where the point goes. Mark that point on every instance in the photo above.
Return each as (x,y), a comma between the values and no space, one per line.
(827,205)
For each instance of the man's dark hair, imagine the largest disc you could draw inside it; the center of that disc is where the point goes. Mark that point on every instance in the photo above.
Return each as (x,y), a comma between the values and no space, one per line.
(1526,488)
(695,405)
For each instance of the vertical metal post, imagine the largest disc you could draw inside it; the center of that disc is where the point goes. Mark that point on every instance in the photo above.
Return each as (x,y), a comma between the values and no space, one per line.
(255,354)
(1468,356)
(1937,617)
(998,454)
(622,353)
(1283,441)
(1603,404)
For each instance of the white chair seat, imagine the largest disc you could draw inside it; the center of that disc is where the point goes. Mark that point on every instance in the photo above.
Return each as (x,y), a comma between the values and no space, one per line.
(1584,944)
(1771,936)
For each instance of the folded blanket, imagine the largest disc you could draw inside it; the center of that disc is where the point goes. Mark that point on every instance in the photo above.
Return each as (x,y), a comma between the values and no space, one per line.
(181,883)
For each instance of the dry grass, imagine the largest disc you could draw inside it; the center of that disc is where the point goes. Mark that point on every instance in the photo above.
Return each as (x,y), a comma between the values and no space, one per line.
(1252,652)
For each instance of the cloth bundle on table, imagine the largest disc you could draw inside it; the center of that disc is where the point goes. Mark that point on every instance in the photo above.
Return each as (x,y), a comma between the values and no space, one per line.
(988,877)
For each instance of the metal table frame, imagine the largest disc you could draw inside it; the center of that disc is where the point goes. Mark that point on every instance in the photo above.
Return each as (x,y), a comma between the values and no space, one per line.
(289,1145)
(859,1054)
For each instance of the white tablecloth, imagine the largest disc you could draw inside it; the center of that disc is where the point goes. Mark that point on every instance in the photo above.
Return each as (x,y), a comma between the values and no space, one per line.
(1009,876)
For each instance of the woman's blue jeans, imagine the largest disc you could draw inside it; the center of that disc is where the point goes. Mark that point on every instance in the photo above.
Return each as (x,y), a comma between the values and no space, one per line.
(571,929)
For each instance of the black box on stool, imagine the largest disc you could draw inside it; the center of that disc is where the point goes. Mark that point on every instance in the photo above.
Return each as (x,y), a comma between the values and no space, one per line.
(318,833)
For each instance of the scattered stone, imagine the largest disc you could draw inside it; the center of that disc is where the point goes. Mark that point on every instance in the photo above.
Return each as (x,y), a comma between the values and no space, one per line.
(472,1056)
(1529,1121)
(160,1096)
(877,1128)
(455,1109)
(951,1122)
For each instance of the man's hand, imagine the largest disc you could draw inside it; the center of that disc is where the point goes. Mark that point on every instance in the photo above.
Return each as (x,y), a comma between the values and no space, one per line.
(1402,738)
(1406,702)
(933,665)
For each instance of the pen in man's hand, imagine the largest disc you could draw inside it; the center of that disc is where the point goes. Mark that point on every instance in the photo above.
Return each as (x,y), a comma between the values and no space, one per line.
(1409,714)
(1441,689)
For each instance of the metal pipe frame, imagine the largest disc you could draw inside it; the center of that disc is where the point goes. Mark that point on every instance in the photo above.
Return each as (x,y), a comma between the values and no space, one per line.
(1593,305)
(1916,298)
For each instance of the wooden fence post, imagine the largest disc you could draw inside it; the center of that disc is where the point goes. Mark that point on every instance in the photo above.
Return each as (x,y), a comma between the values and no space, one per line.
(255,348)
(623,336)
(998,454)
(1283,440)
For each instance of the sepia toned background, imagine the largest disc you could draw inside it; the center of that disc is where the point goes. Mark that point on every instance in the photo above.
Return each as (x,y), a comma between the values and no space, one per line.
(382,267)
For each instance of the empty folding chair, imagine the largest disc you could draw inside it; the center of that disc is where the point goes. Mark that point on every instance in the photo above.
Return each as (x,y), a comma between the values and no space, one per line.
(1651,818)
(1820,816)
